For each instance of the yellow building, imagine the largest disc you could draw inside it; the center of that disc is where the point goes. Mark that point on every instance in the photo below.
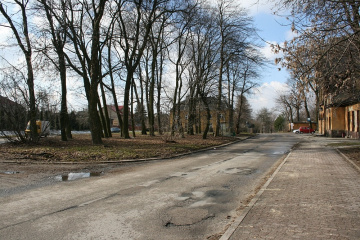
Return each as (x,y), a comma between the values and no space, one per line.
(339,117)
(114,122)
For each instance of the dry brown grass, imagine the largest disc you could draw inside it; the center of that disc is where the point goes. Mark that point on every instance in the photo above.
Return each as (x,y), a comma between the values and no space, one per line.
(80,148)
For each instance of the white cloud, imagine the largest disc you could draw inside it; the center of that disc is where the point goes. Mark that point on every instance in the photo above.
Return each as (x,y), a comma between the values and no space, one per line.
(268,53)
(290,34)
(257,6)
(6,33)
(265,95)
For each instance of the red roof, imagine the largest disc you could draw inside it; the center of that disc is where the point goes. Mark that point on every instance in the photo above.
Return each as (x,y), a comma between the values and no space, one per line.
(113,108)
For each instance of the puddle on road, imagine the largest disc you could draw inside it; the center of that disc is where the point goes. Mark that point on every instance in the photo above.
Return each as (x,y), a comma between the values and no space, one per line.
(75,176)
(10,172)
(279,153)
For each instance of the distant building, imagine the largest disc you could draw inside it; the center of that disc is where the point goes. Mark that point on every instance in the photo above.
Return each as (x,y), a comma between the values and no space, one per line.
(12,115)
(297,125)
(114,121)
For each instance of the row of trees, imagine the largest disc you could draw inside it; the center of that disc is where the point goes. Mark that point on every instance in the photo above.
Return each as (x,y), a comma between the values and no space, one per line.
(324,56)
(146,50)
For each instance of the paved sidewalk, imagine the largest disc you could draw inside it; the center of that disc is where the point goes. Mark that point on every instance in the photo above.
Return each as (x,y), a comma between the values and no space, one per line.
(314,195)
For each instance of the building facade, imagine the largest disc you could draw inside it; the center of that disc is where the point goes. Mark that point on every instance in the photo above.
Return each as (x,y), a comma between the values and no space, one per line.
(340,117)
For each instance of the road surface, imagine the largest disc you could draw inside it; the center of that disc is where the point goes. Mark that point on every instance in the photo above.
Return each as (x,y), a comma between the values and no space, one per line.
(192,197)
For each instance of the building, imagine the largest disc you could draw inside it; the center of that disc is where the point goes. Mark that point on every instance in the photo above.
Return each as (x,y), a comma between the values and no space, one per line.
(297,125)
(339,116)
(12,115)
(114,122)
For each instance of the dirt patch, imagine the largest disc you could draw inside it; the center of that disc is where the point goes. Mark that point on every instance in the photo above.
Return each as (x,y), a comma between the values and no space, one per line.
(81,150)
(353,153)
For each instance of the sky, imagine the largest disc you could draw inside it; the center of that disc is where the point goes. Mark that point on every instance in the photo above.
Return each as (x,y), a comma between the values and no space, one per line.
(271,29)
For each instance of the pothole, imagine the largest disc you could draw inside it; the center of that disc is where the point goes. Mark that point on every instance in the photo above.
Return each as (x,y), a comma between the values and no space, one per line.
(75,176)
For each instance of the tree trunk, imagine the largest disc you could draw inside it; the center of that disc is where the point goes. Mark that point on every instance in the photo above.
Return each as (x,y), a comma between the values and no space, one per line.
(106,113)
(307,111)
(159,88)
(94,119)
(95,124)
(140,104)
(64,117)
(132,108)
(126,102)
(239,115)
(27,51)
(208,116)
(118,114)
(151,114)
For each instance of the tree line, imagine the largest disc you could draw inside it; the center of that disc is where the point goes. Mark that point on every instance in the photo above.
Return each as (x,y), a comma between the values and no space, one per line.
(152,53)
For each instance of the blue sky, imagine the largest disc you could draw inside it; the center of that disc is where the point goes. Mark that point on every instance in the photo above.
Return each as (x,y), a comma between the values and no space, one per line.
(272,29)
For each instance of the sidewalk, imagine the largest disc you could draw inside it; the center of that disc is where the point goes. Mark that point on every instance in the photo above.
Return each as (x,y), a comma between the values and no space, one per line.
(314,194)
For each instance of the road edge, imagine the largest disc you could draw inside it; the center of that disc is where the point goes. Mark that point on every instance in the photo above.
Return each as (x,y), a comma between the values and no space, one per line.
(229,232)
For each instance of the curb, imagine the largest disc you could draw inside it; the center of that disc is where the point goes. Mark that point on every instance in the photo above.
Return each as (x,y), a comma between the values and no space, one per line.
(348,159)
(229,232)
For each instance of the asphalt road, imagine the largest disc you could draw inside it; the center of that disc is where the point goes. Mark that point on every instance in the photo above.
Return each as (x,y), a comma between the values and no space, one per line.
(193,197)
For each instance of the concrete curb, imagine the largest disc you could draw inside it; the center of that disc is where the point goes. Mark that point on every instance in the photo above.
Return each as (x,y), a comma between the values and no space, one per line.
(229,232)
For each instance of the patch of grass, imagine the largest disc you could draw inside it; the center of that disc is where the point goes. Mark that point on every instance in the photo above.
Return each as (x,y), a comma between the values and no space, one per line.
(80,148)
(344,144)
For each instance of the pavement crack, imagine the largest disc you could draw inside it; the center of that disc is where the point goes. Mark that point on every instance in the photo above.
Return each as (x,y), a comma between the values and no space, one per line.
(171,224)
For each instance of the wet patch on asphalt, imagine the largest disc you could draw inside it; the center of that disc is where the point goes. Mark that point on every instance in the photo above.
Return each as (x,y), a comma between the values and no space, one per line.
(75,176)
(240,171)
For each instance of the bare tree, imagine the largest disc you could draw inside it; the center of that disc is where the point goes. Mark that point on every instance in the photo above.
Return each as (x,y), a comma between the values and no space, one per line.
(58,34)
(134,31)
(22,35)
(203,68)
(234,25)
(77,15)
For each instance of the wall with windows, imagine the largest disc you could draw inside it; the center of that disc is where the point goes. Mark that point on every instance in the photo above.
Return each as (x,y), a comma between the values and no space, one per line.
(352,120)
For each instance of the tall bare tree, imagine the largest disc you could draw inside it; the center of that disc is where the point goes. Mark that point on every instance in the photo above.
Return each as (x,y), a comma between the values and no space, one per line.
(57,30)
(83,17)
(22,35)
(234,25)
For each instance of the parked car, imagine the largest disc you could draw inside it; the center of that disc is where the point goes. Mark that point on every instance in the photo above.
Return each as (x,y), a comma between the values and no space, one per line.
(304,130)
(115,130)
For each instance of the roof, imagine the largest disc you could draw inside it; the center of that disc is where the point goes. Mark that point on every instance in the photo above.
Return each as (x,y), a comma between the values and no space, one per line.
(112,107)
(7,102)
(345,99)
